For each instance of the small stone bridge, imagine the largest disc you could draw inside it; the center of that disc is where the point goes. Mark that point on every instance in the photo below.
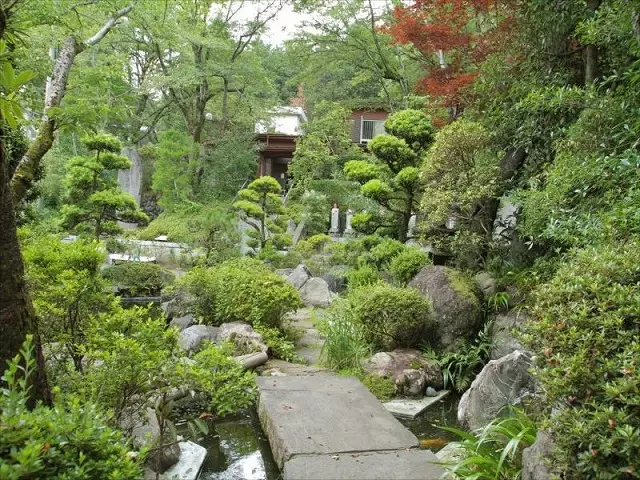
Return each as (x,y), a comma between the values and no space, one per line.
(329,427)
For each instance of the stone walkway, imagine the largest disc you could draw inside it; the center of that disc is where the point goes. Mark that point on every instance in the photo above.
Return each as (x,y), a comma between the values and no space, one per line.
(322,426)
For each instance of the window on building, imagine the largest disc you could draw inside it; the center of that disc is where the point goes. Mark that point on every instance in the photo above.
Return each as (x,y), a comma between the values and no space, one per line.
(370,128)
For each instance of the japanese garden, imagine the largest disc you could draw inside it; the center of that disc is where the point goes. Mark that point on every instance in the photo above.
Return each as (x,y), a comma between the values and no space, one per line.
(319,239)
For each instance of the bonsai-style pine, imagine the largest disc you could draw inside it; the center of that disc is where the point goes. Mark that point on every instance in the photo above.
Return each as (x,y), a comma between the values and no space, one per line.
(94,202)
(392,178)
(260,206)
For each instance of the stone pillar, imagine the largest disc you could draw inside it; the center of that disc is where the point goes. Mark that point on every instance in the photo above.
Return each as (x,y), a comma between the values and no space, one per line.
(348,230)
(335,220)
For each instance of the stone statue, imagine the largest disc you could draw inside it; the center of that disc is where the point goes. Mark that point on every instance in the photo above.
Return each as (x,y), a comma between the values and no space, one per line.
(335,220)
(411,228)
(348,230)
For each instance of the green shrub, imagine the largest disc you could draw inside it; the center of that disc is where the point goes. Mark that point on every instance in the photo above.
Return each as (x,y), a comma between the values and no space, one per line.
(495,451)
(139,279)
(362,277)
(240,290)
(407,264)
(382,387)
(345,345)
(382,254)
(281,347)
(585,336)
(392,317)
(68,440)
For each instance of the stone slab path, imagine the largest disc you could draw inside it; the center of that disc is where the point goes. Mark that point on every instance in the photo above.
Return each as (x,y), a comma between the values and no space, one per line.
(312,421)
(309,346)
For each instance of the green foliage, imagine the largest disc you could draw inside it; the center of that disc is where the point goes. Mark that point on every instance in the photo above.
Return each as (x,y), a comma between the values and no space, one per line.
(139,279)
(281,347)
(67,290)
(362,276)
(495,451)
(68,440)
(325,146)
(407,264)
(392,179)
(459,368)
(172,172)
(260,206)
(315,206)
(345,346)
(241,290)
(10,84)
(94,202)
(585,336)
(382,254)
(382,387)
(460,174)
(391,317)
(229,387)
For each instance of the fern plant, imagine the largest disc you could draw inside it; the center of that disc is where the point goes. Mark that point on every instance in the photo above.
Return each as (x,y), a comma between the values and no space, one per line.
(460,368)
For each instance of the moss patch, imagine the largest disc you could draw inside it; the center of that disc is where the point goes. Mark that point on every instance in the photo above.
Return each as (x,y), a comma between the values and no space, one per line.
(462,285)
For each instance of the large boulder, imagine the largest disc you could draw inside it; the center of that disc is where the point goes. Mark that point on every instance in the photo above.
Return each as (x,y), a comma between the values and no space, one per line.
(336,278)
(243,336)
(169,309)
(315,293)
(535,459)
(411,372)
(284,272)
(299,276)
(501,382)
(191,339)
(182,323)
(502,333)
(456,308)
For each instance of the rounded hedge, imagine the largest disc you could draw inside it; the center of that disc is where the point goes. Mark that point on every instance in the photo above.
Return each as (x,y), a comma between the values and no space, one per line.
(392,317)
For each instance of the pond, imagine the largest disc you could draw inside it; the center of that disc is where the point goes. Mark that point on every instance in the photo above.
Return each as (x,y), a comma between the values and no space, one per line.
(426,426)
(237,449)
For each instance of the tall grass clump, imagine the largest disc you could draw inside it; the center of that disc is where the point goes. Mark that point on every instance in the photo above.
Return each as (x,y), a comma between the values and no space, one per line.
(345,346)
(494,452)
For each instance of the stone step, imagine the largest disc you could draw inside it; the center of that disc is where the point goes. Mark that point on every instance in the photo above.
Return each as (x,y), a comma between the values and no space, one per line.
(311,420)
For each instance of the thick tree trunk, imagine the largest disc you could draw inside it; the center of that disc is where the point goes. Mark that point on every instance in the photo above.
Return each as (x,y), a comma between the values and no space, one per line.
(17,317)
(591,52)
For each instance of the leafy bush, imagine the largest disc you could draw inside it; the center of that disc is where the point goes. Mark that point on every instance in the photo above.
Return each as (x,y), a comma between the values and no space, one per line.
(459,368)
(382,387)
(362,276)
(215,372)
(281,347)
(139,278)
(585,334)
(495,451)
(240,290)
(345,345)
(68,440)
(392,317)
(407,264)
(382,254)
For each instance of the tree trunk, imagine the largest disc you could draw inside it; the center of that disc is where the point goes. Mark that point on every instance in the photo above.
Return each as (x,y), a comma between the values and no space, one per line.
(17,317)
(591,52)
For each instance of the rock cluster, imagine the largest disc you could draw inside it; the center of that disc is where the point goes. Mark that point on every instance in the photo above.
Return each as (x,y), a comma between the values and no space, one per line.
(315,291)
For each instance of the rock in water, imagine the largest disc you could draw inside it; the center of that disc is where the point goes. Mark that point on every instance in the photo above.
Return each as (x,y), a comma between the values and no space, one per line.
(501,382)
(315,293)
(191,339)
(456,308)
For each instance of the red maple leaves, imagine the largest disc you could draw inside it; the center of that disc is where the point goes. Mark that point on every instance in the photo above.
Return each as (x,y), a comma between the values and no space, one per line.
(453,37)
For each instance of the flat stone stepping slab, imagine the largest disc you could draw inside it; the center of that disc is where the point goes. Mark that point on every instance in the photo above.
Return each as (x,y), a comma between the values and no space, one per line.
(280,368)
(394,465)
(327,416)
(410,408)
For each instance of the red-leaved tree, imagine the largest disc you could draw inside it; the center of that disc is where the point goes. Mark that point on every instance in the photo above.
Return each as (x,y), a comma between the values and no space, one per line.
(453,38)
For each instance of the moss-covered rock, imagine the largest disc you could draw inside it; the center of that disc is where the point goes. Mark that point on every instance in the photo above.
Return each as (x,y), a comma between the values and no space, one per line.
(456,309)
